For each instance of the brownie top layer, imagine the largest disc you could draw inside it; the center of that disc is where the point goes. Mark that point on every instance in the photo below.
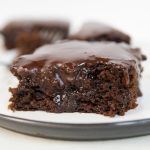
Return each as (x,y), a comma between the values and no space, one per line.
(28,25)
(92,30)
(78,52)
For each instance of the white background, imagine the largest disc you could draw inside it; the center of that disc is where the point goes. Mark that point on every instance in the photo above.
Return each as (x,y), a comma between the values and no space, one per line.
(129,15)
(133,16)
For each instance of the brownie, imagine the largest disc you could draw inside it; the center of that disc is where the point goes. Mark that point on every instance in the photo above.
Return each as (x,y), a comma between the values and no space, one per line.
(77,76)
(92,31)
(27,42)
(27,35)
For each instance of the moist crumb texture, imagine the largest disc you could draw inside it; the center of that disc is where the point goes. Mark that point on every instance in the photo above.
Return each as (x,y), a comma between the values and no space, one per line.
(85,77)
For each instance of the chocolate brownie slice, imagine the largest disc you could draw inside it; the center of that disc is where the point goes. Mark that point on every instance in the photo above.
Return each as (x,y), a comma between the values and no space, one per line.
(77,76)
(27,35)
(27,42)
(93,31)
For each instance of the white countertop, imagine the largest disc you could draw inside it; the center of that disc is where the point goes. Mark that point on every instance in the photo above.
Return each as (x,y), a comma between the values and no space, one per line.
(15,141)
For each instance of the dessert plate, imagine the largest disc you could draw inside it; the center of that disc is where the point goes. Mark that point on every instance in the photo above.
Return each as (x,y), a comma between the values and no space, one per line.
(75,126)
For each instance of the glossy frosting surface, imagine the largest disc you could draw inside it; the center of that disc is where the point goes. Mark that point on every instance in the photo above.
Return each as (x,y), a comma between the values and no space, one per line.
(91,30)
(94,29)
(78,51)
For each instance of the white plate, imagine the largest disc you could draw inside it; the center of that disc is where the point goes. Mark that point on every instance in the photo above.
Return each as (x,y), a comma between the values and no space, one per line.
(141,112)
(74,126)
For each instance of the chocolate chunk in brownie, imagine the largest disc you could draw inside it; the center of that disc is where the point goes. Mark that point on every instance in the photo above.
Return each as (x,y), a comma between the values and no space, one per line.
(77,76)
(93,31)
(27,35)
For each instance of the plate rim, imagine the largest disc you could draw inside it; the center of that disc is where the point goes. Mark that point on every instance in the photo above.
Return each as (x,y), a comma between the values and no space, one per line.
(76,132)
(29,121)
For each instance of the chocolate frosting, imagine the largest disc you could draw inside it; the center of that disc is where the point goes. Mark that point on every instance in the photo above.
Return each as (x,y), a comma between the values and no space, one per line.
(94,31)
(78,52)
